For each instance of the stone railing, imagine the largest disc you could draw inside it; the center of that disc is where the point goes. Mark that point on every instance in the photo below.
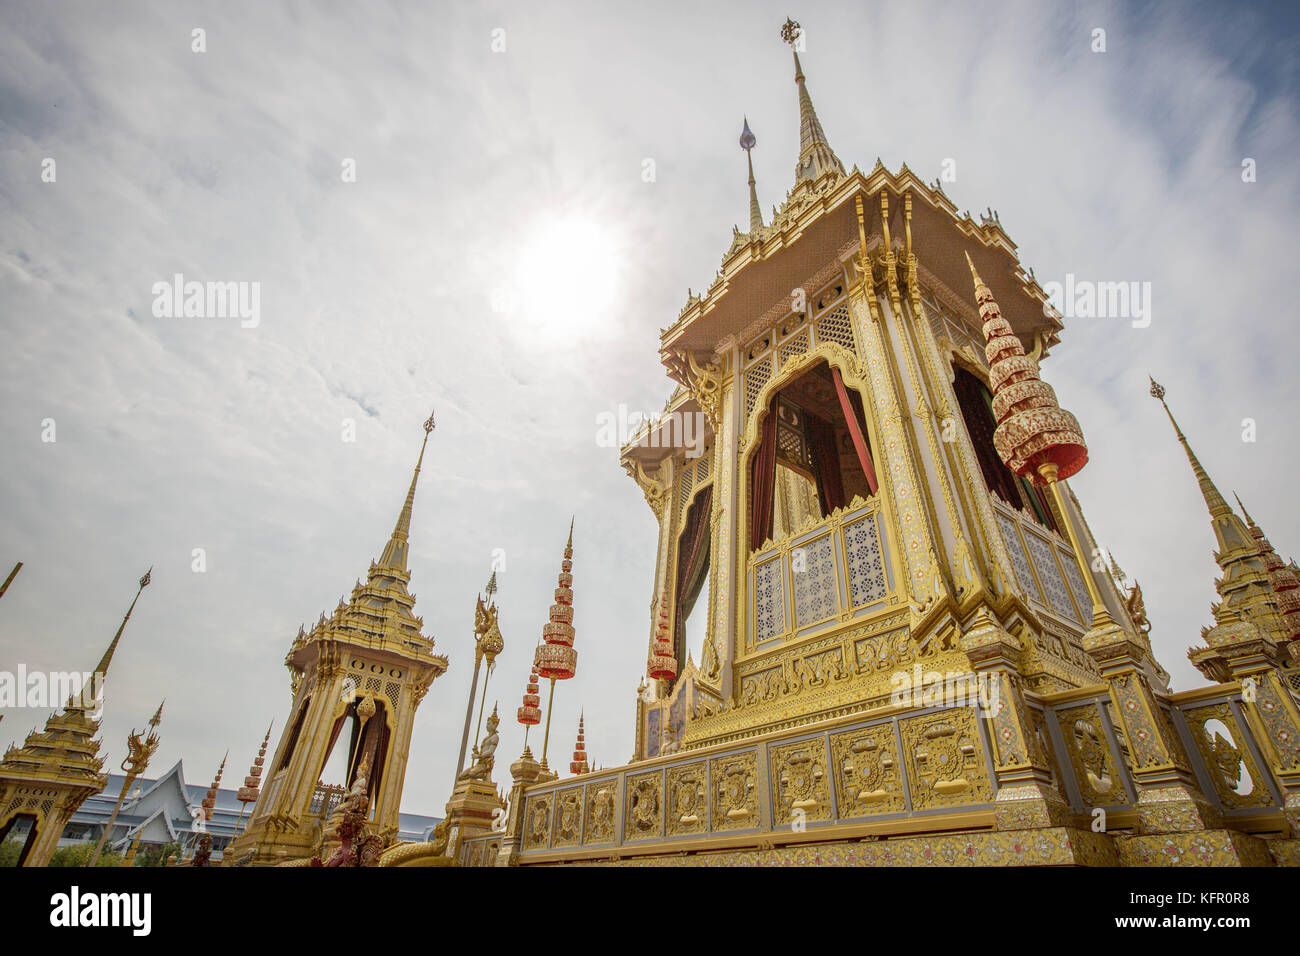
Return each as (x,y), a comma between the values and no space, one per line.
(832,571)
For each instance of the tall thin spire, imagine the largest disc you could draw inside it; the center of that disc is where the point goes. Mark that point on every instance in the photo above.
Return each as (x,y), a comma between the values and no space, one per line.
(747,142)
(102,667)
(1213,500)
(815,154)
(394,556)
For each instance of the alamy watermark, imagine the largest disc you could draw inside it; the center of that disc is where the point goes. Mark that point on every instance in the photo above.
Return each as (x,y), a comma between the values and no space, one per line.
(208,300)
(919,688)
(51,689)
(676,429)
(1086,299)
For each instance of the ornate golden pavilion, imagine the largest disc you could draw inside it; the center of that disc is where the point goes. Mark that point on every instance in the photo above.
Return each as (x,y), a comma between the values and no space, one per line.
(910,654)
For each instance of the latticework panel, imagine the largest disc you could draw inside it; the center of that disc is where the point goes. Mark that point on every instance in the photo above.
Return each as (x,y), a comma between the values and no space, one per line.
(769,601)
(866,562)
(755,378)
(815,597)
(1011,537)
(836,325)
(797,345)
(1050,575)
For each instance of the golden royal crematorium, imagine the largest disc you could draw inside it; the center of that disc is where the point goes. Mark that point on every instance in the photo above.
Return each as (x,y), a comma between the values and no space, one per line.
(912,654)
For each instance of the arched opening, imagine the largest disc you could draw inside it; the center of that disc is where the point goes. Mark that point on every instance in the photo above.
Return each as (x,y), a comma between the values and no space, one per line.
(692,575)
(813,455)
(364,737)
(976,403)
(32,827)
(292,743)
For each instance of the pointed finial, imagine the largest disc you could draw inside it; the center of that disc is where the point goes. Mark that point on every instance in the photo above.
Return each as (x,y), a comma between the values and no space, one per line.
(1249,520)
(790,31)
(156,719)
(747,142)
(816,158)
(491,585)
(1213,499)
(974,275)
(747,138)
(102,668)
(394,556)
(569,544)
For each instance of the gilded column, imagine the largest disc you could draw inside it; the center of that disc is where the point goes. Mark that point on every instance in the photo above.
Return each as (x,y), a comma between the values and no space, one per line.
(904,504)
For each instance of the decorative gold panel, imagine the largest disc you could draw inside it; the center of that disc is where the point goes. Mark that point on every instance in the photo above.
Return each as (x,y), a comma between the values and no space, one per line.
(866,772)
(1090,756)
(568,818)
(800,782)
(945,759)
(537,822)
(602,805)
(688,799)
(734,780)
(645,800)
(1226,756)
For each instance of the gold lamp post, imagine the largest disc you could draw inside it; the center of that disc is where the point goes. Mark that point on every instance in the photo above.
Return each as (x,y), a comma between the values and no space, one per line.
(139,749)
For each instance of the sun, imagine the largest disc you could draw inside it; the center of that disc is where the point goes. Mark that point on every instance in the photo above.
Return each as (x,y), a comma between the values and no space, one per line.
(567,275)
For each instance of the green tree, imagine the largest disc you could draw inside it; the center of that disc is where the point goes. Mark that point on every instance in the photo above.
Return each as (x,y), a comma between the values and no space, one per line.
(156,854)
(79,854)
(9,851)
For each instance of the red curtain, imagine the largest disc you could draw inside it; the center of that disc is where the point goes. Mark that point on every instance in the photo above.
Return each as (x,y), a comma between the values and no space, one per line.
(692,565)
(826,461)
(977,410)
(855,430)
(763,481)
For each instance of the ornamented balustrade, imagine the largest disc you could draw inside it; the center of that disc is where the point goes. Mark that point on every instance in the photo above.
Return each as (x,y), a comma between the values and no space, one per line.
(1092,757)
(835,570)
(899,771)
(479,851)
(893,772)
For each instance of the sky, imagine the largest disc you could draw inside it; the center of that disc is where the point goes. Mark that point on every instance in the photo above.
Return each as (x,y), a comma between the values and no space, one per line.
(446,207)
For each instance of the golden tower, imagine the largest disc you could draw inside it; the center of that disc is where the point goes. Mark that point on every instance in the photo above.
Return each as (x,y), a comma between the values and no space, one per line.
(53,773)
(910,651)
(357,678)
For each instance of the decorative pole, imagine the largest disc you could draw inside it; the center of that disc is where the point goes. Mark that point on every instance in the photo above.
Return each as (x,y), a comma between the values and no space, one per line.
(137,759)
(484,617)
(209,803)
(556,659)
(9,580)
(491,644)
(1035,437)
(747,142)
(248,793)
(579,765)
(662,664)
(530,714)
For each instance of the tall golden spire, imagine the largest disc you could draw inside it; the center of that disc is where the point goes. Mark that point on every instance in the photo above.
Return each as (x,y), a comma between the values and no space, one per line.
(102,667)
(815,154)
(1213,500)
(747,142)
(1282,579)
(394,556)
